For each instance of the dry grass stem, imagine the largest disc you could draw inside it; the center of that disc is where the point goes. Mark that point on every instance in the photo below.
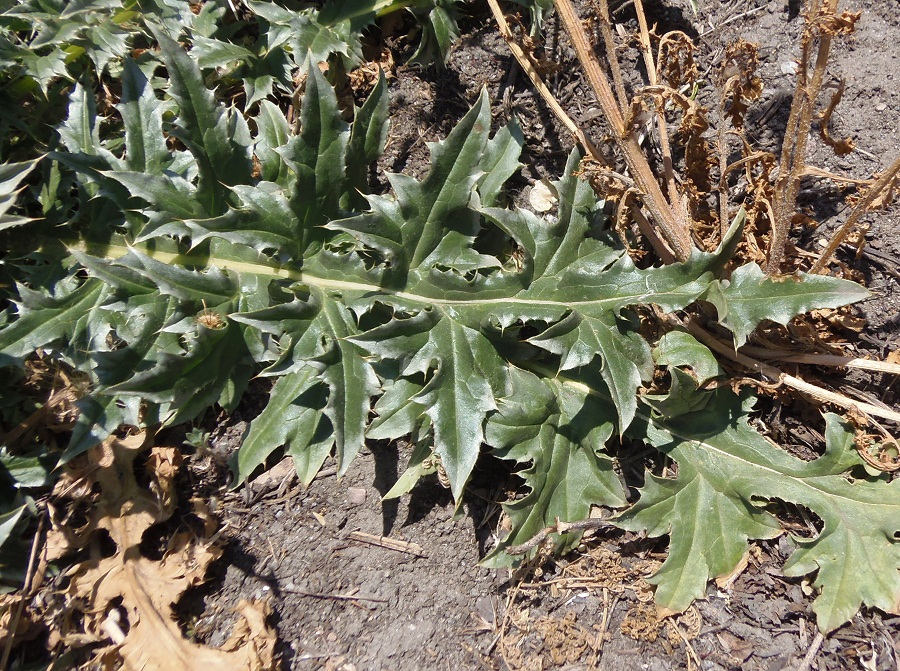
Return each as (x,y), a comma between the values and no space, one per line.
(881,185)
(807,389)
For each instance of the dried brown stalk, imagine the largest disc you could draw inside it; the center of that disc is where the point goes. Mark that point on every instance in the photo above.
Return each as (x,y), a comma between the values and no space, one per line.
(833,360)
(822,24)
(881,185)
(666,150)
(675,231)
(610,44)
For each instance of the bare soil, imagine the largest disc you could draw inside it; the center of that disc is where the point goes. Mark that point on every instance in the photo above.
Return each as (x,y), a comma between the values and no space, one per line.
(340,603)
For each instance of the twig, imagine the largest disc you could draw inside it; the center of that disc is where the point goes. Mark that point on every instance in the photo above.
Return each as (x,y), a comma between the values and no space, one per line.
(807,663)
(558,528)
(387,543)
(321,655)
(825,360)
(325,472)
(335,597)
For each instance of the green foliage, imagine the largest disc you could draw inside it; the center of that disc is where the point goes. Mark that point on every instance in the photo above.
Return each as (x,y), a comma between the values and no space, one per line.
(188,246)
(21,476)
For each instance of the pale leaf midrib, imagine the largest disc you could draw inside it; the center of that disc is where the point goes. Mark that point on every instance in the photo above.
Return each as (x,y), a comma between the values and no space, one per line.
(113,252)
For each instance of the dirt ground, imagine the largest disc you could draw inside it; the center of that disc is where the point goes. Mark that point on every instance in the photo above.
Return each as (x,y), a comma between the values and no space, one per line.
(341,603)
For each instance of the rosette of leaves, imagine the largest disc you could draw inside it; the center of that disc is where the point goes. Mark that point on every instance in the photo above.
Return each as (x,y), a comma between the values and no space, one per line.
(435,312)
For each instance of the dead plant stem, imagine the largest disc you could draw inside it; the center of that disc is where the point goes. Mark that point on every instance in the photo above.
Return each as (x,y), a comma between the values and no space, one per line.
(886,178)
(675,233)
(773,373)
(831,360)
(611,57)
(793,154)
(665,149)
(537,81)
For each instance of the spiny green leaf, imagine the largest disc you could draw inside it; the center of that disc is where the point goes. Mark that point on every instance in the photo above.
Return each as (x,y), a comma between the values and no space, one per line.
(79,132)
(142,115)
(317,157)
(432,314)
(624,357)
(25,471)
(272,132)
(439,30)
(262,219)
(11,176)
(212,53)
(466,374)
(350,379)
(559,430)
(368,135)
(421,463)
(426,206)
(45,320)
(726,472)
(751,297)
(217,139)
(682,349)
(188,383)
(213,286)
(500,162)
(293,417)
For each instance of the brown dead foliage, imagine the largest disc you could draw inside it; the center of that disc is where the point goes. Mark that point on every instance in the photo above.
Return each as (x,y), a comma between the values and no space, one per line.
(124,601)
(546,642)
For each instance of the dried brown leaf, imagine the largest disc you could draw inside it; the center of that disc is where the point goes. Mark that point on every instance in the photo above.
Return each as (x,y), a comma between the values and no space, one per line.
(737,80)
(831,23)
(129,596)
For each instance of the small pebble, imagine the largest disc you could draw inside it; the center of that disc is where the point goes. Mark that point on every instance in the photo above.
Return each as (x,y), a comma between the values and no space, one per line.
(356,495)
(789,67)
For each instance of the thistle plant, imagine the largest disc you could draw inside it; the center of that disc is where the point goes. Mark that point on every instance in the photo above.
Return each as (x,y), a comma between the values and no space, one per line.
(186,246)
